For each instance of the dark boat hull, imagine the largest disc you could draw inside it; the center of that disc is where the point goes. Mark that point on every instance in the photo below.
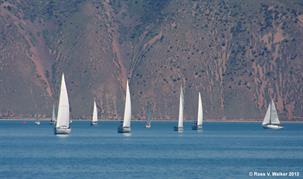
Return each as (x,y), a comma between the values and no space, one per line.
(196,127)
(122,129)
(179,129)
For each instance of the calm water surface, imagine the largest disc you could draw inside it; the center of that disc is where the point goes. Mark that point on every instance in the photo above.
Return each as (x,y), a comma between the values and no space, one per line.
(221,150)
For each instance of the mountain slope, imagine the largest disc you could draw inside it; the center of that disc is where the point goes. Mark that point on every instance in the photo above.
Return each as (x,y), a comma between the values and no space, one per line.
(238,54)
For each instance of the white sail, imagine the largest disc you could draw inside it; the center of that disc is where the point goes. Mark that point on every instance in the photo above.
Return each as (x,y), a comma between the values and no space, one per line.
(200,112)
(95,113)
(127,110)
(267,115)
(63,108)
(274,119)
(181,108)
(53,114)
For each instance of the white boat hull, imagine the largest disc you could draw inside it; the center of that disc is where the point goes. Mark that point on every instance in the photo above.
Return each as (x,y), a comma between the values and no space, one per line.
(93,123)
(37,123)
(271,126)
(62,130)
(148,125)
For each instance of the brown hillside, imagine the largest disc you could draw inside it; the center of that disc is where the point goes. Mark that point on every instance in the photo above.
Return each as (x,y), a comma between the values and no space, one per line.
(238,54)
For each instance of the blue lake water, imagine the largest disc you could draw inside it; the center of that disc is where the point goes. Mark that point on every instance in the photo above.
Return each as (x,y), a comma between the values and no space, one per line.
(221,150)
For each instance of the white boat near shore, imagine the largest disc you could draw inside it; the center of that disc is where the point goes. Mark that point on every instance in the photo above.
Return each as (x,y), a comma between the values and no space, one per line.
(63,118)
(198,124)
(95,115)
(179,128)
(125,125)
(271,119)
(37,122)
(148,116)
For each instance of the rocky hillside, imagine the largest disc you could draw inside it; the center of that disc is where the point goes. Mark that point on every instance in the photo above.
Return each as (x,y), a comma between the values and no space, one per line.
(238,54)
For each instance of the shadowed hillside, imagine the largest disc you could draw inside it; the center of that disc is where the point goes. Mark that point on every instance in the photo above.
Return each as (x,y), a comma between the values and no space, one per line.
(238,54)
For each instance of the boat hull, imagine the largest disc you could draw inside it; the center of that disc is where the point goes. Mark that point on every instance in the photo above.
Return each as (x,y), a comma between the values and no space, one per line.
(196,127)
(271,126)
(179,129)
(93,123)
(37,123)
(122,129)
(147,125)
(62,130)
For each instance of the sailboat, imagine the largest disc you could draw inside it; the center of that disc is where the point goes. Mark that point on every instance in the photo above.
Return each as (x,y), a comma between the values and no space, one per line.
(53,119)
(198,124)
(37,122)
(125,125)
(62,124)
(148,116)
(95,115)
(181,108)
(271,119)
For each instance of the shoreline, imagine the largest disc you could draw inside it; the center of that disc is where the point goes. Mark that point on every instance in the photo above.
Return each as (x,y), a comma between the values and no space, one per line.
(155,120)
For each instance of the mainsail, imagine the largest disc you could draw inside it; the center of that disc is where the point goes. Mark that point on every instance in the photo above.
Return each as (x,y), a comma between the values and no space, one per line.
(95,113)
(274,119)
(127,110)
(181,108)
(63,108)
(200,112)
(267,116)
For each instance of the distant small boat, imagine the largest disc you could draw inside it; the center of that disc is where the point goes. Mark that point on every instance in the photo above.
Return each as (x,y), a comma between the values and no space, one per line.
(271,119)
(95,115)
(148,124)
(125,125)
(53,119)
(179,128)
(148,116)
(198,124)
(63,117)
(37,122)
